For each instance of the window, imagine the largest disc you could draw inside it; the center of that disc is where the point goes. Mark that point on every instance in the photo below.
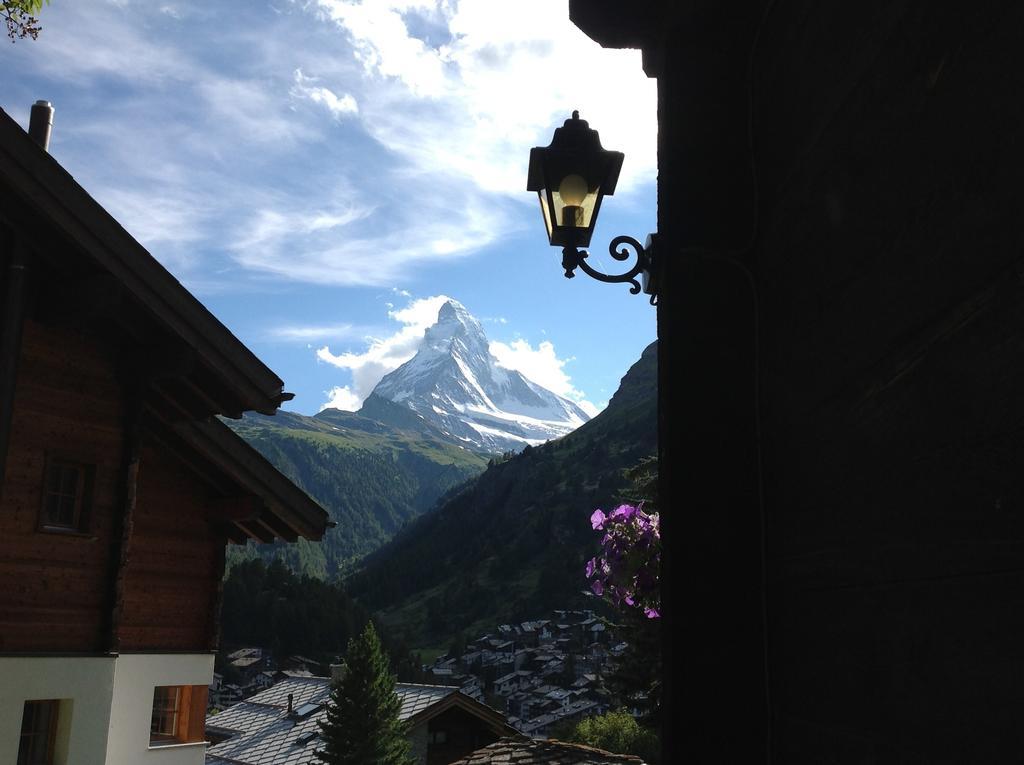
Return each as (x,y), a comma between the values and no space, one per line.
(38,732)
(67,496)
(166,712)
(179,714)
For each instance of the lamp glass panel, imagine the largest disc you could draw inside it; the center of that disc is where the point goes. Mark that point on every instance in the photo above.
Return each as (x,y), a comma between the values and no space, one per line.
(581,218)
(545,210)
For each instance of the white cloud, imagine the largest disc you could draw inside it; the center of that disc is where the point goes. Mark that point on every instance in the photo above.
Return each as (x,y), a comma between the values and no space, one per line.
(542,366)
(455,95)
(216,139)
(252,110)
(338,106)
(318,332)
(496,82)
(383,355)
(384,46)
(342,397)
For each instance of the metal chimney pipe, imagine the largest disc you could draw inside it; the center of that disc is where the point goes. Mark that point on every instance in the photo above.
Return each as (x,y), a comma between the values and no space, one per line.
(40,122)
(290,701)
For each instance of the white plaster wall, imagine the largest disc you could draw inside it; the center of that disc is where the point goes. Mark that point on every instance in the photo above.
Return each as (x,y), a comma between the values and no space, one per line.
(135,677)
(86,683)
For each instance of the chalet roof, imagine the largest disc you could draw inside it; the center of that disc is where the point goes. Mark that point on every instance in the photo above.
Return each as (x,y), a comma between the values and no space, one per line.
(525,752)
(90,269)
(38,190)
(263,734)
(276,506)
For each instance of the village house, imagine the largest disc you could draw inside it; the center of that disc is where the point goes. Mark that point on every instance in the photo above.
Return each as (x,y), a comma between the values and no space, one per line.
(119,487)
(512,682)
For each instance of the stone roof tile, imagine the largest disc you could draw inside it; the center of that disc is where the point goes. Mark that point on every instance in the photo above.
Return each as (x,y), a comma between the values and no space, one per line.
(510,751)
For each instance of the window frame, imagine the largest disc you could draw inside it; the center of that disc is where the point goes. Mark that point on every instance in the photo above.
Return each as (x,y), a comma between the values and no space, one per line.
(82,498)
(50,734)
(188,715)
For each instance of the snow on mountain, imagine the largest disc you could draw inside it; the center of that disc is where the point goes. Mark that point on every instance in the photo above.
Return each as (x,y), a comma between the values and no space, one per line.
(455,384)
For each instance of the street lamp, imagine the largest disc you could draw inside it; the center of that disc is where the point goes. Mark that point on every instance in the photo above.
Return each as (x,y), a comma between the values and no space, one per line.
(571,176)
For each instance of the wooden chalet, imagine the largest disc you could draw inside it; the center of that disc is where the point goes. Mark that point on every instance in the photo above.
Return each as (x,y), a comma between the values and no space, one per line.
(119,487)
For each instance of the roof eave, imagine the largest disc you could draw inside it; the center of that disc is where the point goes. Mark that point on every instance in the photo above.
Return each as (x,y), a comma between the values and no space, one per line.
(34,175)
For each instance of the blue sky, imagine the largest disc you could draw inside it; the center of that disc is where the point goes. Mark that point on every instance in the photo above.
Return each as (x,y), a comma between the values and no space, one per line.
(322,174)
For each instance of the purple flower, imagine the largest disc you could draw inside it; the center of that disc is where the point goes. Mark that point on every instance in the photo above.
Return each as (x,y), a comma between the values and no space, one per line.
(624,512)
(626,570)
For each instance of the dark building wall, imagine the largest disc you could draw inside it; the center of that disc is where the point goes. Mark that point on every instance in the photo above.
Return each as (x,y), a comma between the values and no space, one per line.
(892,329)
(840,191)
(56,587)
(464,734)
(175,560)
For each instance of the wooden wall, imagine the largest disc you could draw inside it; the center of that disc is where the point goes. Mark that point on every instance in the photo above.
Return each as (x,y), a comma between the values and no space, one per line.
(54,592)
(465,733)
(59,592)
(175,561)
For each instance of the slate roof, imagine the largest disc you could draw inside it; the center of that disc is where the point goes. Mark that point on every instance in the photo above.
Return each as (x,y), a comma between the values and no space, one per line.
(519,752)
(416,698)
(265,735)
(243,717)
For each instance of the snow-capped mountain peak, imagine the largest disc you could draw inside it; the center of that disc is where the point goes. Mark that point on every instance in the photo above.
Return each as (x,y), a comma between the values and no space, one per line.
(455,324)
(455,383)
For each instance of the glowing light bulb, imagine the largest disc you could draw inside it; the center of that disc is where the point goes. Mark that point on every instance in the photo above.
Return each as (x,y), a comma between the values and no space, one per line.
(573,190)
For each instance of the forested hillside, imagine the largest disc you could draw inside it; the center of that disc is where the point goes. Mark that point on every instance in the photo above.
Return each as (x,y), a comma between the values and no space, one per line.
(371,477)
(513,542)
(271,607)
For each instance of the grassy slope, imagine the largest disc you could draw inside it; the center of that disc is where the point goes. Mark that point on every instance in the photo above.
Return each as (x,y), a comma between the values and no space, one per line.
(372,478)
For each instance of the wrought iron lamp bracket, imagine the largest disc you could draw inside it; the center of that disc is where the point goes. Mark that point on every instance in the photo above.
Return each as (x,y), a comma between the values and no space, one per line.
(642,276)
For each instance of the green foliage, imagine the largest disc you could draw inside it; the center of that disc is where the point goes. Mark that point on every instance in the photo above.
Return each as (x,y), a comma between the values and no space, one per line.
(643,487)
(513,542)
(636,680)
(620,733)
(20,16)
(371,477)
(362,725)
(272,607)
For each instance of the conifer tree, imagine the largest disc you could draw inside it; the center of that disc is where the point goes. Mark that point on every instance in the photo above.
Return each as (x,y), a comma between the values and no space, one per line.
(362,725)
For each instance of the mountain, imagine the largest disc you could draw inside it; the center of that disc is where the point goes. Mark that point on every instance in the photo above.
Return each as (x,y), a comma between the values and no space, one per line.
(371,476)
(455,385)
(513,541)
